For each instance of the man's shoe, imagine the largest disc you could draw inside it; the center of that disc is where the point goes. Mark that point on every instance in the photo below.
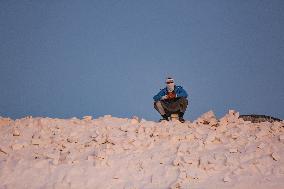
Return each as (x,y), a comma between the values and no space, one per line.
(165,118)
(181,119)
(180,115)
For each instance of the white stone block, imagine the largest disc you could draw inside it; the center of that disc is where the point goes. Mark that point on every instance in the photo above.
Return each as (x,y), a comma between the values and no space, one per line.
(90,158)
(275,156)
(4,150)
(16,132)
(281,138)
(233,150)
(231,112)
(261,134)
(227,179)
(88,118)
(36,141)
(261,146)
(235,135)
(17,146)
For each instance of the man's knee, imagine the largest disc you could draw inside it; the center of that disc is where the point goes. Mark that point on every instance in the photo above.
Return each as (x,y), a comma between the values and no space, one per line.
(157,104)
(183,104)
(159,107)
(183,100)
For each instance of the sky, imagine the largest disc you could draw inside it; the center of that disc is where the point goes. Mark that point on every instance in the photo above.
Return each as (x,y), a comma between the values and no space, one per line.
(65,59)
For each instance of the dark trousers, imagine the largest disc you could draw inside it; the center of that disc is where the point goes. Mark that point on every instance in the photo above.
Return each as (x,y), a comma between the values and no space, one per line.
(168,107)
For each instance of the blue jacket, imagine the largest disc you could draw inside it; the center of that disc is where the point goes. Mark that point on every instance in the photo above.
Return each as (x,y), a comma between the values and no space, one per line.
(180,92)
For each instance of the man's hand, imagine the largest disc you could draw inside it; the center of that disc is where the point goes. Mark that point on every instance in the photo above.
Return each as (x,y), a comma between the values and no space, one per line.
(165,97)
(171,95)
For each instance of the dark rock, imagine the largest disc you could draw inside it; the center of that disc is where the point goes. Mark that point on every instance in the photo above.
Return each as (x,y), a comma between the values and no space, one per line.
(258,118)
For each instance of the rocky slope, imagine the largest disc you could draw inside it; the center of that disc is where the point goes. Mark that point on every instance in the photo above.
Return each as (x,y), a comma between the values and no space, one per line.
(116,153)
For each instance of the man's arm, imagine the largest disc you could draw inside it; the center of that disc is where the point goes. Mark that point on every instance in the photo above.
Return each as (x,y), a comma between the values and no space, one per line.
(181,92)
(159,95)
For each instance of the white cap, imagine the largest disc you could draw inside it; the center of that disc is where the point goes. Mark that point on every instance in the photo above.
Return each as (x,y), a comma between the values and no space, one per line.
(169,79)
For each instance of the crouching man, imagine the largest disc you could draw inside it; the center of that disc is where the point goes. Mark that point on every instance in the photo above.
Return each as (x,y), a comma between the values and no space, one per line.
(171,100)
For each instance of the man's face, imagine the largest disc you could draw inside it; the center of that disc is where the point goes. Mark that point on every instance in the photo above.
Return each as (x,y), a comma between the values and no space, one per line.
(170,85)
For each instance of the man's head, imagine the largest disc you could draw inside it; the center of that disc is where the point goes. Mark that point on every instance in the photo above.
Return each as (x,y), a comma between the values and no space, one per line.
(170,84)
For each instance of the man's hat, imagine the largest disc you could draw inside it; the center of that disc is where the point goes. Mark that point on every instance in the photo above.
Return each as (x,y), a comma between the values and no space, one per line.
(170,80)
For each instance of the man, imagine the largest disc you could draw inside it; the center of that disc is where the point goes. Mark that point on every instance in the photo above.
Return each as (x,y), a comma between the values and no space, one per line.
(171,99)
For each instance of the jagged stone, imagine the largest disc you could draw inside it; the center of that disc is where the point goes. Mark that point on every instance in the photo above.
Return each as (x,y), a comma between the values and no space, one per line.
(281,138)
(231,117)
(259,118)
(227,179)
(135,120)
(16,132)
(233,150)
(5,121)
(87,118)
(4,150)
(207,118)
(261,146)
(90,158)
(210,138)
(261,134)
(36,141)
(275,156)
(17,146)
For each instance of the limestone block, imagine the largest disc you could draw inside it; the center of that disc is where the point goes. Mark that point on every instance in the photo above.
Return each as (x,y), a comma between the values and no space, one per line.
(191,160)
(238,171)
(134,120)
(55,161)
(4,149)
(182,174)
(223,121)
(231,112)
(107,116)
(177,161)
(227,179)
(261,133)
(210,138)
(233,150)
(222,128)
(182,148)
(281,138)
(261,145)
(51,155)
(207,118)
(5,121)
(90,158)
(235,135)
(224,140)
(262,169)
(136,143)
(247,157)
(189,137)
(231,161)
(17,146)
(41,164)
(36,141)
(203,162)
(87,118)
(16,132)
(176,185)
(213,122)
(231,117)
(202,130)
(275,156)
(72,139)
(274,128)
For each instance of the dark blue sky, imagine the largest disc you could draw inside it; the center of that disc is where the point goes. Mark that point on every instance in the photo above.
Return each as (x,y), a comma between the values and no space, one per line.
(64,59)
